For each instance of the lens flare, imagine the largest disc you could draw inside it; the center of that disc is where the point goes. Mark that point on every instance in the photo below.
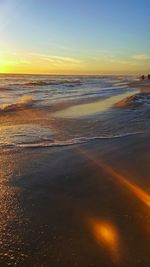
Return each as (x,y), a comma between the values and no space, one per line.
(107,237)
(137,191)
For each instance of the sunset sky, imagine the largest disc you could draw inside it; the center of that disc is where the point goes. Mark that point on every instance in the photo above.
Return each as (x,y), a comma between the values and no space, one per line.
(75,36)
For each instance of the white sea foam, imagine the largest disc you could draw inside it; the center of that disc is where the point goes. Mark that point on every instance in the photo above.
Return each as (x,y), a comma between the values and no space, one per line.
(24,134)
(25,91)
(37,138)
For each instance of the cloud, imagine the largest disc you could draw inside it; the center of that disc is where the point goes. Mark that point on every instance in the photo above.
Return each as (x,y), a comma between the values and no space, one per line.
(62,47)
(57,59)
(123,62)
(24,61)
(15,62)
(112,59)
(141,57)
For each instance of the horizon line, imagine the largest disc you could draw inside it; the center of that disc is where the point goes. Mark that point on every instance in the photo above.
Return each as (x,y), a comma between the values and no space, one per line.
(73,74)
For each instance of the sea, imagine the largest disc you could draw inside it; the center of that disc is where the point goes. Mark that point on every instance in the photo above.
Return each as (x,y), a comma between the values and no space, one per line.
(55,110)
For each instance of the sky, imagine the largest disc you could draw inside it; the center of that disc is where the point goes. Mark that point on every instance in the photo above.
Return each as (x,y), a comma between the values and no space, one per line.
(75,36)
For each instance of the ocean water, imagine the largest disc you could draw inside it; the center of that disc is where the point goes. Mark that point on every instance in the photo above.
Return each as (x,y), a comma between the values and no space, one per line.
(52,89)
(44,110)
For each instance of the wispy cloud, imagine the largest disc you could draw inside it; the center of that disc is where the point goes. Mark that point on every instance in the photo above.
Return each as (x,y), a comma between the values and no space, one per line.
(141,57)
(15,62)
(26,62)
(57,59)
(113,59)
(123,62)
(63,47)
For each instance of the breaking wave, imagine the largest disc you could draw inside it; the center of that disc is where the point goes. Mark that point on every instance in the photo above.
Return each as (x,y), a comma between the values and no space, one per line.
(70,82)
(135,101)
(23,102)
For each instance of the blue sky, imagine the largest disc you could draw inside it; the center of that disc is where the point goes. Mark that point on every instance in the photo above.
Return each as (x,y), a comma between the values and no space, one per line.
(101,36)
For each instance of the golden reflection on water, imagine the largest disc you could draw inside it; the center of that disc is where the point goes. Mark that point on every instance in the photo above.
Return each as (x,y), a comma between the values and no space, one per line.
(107,236)
(88,109)
(136,190)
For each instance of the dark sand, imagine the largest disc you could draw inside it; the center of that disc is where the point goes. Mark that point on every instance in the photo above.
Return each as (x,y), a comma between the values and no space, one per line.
(63,207)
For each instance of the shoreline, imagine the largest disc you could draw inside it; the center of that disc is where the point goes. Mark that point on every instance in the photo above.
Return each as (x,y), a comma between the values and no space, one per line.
(60,203)
(19,115)
(88,109)
(142,86)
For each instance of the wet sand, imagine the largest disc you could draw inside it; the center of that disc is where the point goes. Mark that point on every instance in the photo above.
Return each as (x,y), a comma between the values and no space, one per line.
(130,101)
(84,205)
(81,205)
(88,109)
(144,86)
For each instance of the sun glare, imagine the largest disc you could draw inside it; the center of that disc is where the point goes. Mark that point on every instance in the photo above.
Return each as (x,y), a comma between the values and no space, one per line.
(107,236)
(138,192)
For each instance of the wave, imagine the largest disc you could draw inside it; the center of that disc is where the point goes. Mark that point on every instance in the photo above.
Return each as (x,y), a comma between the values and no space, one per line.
(70,82)
(23,102)
(134,101)
(71,142)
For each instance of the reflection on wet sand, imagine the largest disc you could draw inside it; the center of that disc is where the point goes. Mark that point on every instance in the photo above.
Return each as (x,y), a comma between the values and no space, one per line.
(82,110)
(137,191)
(73,215)
(11,217)
(107,236)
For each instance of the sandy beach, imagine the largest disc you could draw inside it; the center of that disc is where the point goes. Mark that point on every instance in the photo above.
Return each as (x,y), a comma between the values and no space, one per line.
(74,133)
(77,203)
(70,206)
